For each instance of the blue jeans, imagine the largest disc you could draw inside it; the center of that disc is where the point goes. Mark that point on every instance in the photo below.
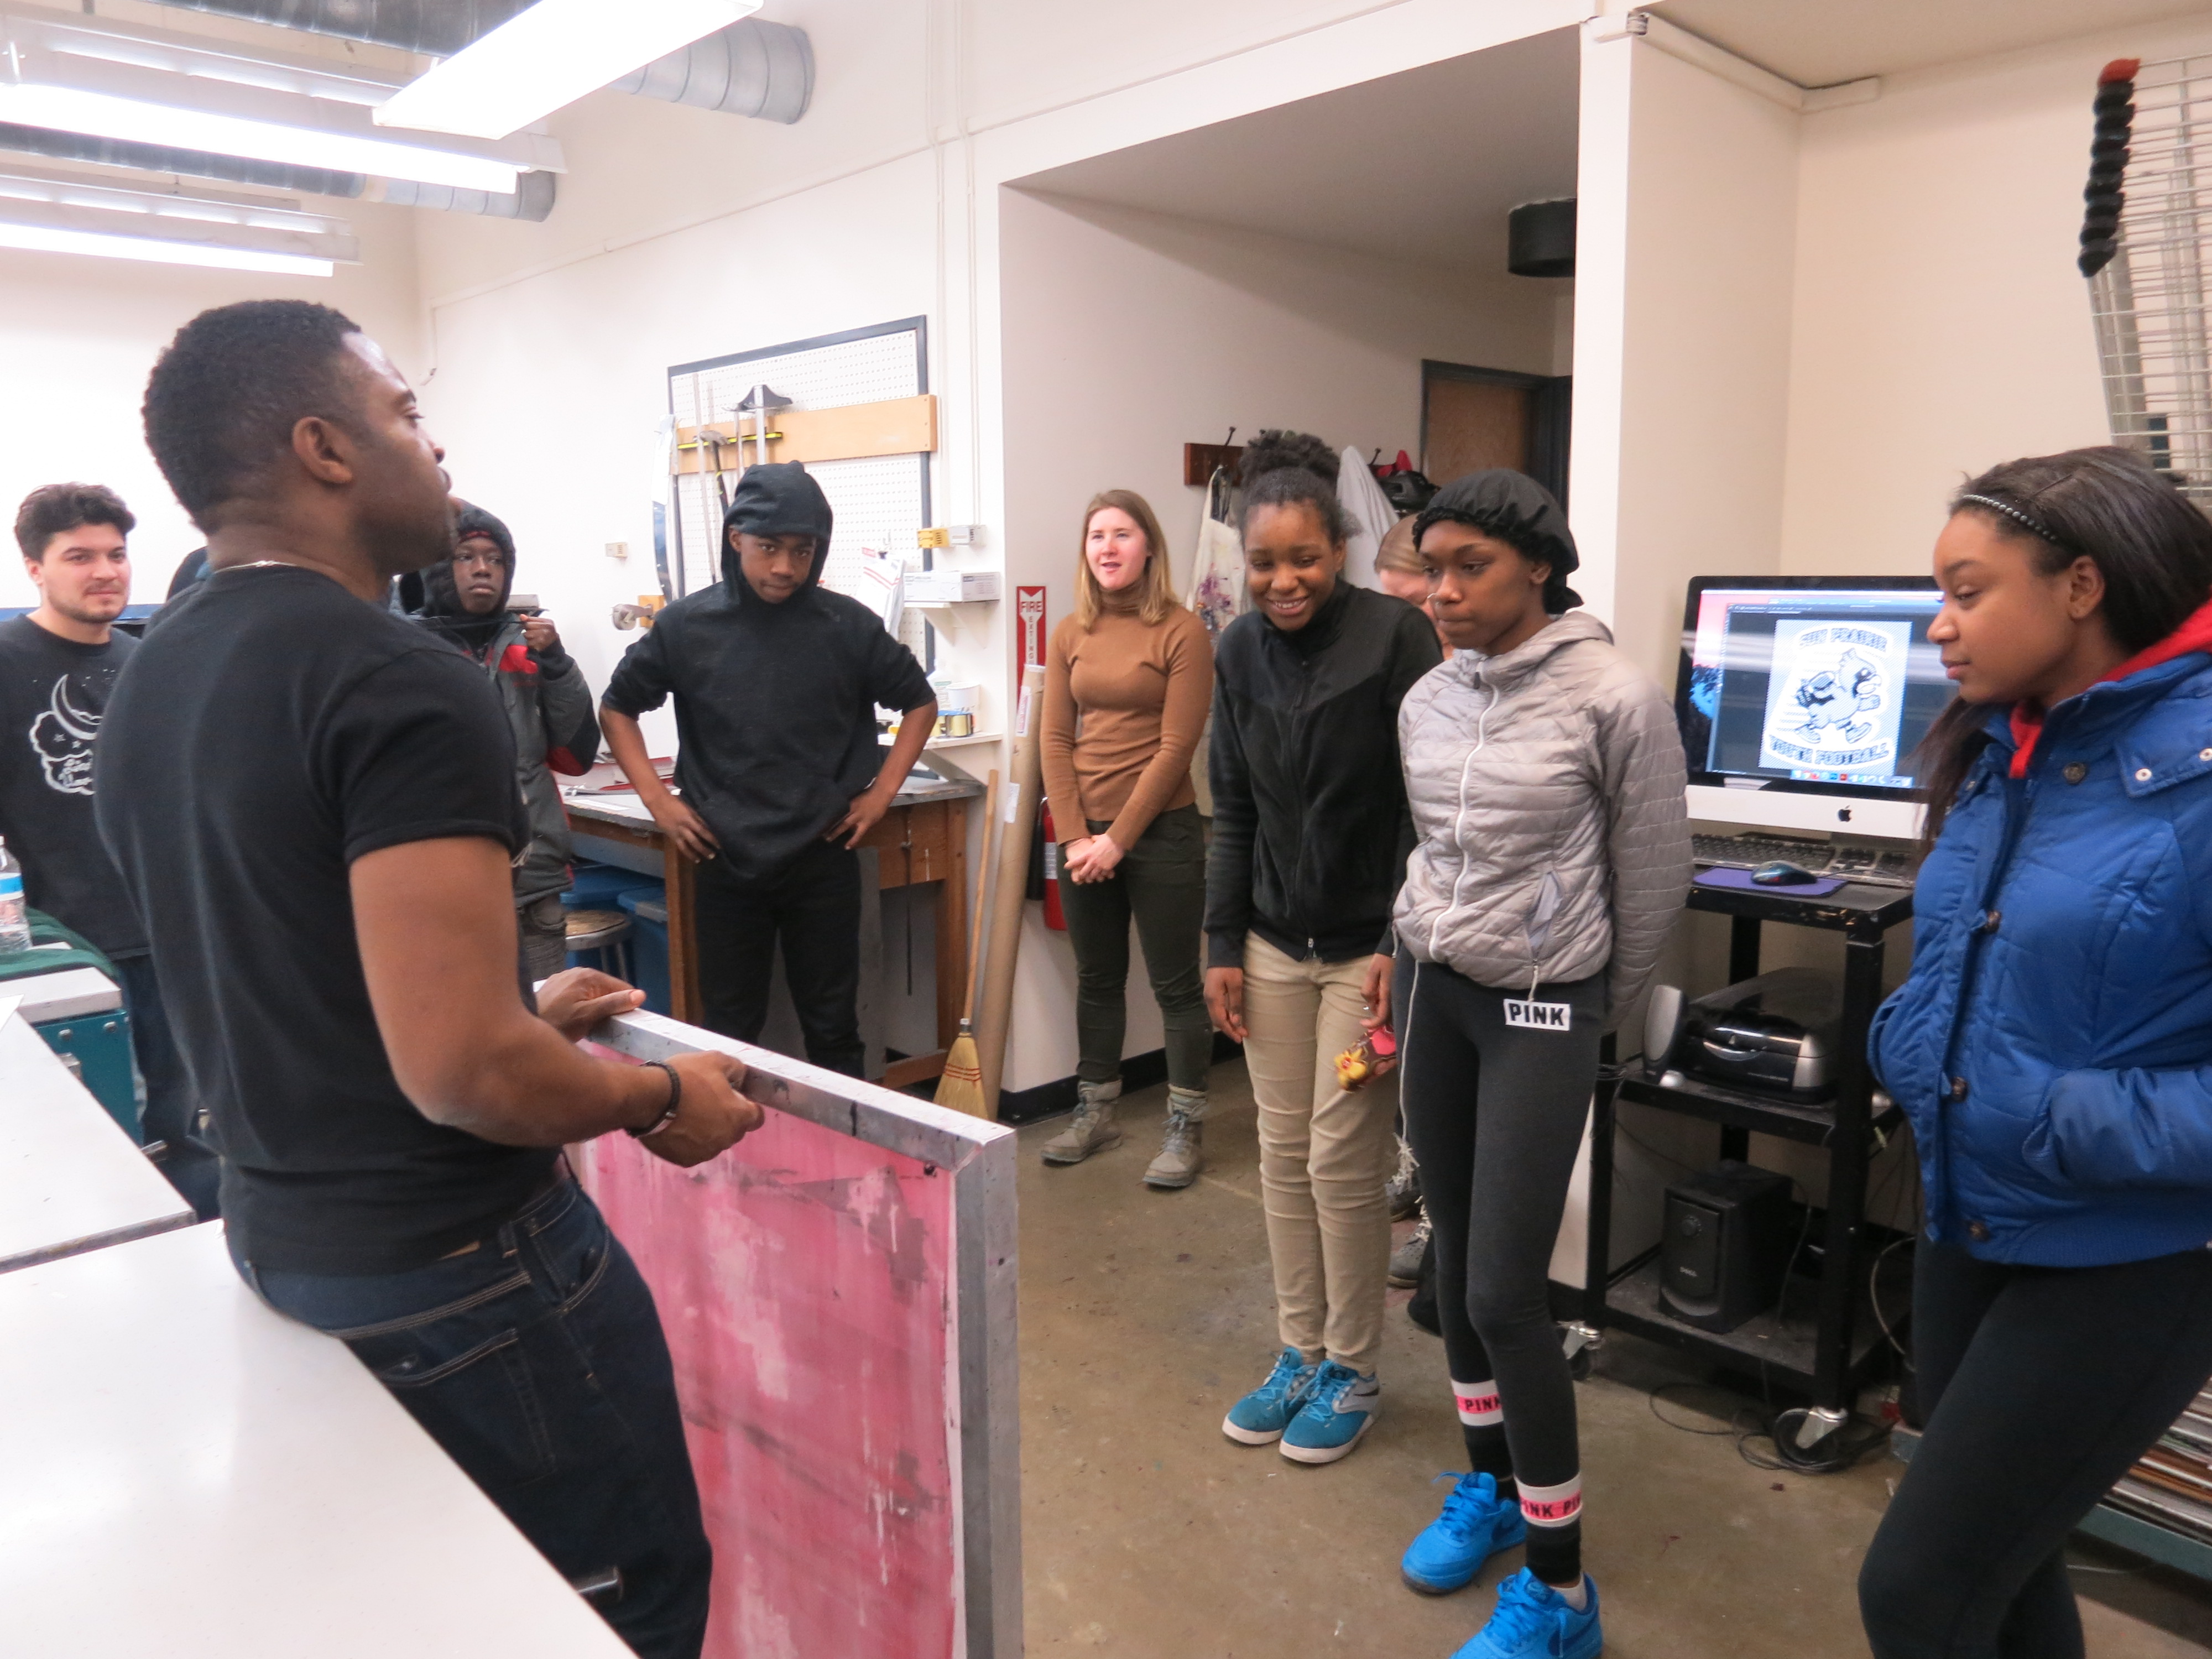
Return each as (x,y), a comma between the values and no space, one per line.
(536,1360)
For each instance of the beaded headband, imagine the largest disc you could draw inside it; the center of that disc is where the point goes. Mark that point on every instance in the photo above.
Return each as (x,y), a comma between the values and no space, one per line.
(2027,522)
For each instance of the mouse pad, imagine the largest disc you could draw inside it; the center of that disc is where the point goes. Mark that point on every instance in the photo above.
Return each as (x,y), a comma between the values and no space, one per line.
(1819,888)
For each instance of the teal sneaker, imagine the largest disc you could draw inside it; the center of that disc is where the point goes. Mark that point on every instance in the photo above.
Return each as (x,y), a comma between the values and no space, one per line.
(1339,1410)
(1261,1416)
(1474,1525)
(1534,1621)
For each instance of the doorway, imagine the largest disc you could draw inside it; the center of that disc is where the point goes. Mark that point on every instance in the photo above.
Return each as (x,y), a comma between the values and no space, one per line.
(1473,418)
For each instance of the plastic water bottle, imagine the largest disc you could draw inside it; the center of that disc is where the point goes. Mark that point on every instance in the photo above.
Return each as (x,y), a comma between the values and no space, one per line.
(14,926)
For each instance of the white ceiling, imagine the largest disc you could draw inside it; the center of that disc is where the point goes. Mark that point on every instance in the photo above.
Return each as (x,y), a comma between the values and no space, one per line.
(1817,43)
(1425,164)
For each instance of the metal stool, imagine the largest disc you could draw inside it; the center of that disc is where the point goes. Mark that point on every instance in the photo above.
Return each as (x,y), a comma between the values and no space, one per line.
(604,934)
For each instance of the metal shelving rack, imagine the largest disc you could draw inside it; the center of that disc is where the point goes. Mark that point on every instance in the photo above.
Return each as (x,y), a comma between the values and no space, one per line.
(1832,1362)
(2147,252)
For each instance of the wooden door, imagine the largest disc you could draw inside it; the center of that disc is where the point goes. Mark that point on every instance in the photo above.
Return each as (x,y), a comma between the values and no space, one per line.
(1472,424)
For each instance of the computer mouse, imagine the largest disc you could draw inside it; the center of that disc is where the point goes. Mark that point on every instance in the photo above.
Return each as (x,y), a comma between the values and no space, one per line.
(1782,873)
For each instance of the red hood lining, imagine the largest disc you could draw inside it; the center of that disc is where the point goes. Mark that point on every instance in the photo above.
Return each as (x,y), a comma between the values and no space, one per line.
(2195,633)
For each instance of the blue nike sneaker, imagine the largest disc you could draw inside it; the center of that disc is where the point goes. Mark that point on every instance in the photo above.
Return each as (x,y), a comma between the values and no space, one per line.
(1534,1621)
(1339,1410)
(1476,1523)
(1262,1415)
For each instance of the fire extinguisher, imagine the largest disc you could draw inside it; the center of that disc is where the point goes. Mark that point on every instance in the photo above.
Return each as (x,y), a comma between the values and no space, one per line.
(1046,873)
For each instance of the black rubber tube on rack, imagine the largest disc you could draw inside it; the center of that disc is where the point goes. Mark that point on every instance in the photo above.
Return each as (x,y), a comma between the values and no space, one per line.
(2115,114)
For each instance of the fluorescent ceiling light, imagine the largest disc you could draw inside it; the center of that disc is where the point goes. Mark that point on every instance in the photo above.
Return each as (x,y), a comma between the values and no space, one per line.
(548,57)
(53,239)
(149,86)
(103,115)
(56,212)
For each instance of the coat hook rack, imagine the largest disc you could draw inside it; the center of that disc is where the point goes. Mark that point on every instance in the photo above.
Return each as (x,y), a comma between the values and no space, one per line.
(1199,461)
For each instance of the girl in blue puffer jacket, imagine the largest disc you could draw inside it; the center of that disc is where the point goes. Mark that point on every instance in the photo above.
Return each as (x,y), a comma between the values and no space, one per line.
(2053,1044)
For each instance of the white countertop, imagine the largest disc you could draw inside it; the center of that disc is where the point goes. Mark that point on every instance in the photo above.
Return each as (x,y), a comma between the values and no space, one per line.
(71,1179)
(184,1473)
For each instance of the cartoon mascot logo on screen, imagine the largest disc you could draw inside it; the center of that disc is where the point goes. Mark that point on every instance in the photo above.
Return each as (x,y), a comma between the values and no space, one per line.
(62,735)
(1835,699)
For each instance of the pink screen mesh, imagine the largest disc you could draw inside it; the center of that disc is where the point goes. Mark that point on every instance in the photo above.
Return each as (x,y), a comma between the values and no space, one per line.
(804,1279)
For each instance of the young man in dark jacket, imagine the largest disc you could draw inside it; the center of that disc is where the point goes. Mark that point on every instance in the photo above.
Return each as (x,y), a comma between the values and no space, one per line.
(549,709)
(776,681)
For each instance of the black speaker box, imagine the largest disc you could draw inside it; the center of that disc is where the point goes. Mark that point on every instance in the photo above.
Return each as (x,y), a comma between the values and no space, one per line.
(1724,1244)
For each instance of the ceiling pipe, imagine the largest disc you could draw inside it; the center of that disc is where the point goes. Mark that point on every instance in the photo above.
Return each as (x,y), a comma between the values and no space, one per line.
(533,199)
(754,68)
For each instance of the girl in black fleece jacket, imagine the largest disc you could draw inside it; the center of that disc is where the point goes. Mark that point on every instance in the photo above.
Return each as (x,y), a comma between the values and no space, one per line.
(1310,837)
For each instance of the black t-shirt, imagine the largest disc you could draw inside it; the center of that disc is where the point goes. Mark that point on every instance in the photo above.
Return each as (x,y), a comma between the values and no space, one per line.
(270,729)
(53,692)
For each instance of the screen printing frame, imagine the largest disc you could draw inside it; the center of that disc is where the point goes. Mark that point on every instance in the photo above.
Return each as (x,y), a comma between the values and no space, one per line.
(1789,803)
(979,1155)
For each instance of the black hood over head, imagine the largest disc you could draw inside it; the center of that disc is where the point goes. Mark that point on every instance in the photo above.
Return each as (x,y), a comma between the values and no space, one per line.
(776,498)
(1519,512)
(441,601)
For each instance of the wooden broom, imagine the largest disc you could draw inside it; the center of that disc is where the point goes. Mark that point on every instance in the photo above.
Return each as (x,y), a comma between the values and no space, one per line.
(961,1087)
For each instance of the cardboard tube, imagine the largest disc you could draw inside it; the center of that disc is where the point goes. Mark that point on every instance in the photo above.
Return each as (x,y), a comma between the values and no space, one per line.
(1018,814)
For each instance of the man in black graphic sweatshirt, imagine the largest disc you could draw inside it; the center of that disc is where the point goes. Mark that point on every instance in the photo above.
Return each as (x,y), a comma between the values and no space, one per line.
(776,681)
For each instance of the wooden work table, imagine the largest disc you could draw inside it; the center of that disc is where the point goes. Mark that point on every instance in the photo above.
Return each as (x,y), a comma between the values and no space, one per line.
(923,838)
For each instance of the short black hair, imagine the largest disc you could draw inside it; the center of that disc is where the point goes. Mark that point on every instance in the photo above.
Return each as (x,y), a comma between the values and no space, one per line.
(1293,469)
(223,398)
(52,510)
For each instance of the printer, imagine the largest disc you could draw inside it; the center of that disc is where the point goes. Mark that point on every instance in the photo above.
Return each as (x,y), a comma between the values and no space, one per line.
(1777,1034)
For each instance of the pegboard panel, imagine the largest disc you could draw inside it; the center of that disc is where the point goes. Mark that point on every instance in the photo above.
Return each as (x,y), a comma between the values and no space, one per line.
(879,501)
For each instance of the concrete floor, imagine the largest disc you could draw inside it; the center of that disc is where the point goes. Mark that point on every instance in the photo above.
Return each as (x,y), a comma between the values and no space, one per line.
(1146,1532)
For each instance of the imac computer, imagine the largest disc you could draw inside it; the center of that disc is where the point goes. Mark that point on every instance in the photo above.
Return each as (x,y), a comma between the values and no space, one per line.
(1802,699)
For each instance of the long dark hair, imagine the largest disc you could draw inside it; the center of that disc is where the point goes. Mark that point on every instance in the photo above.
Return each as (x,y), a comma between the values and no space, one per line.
(2109,506)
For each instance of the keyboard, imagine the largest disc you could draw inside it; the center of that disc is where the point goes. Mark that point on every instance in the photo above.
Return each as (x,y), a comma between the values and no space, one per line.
(1842,860)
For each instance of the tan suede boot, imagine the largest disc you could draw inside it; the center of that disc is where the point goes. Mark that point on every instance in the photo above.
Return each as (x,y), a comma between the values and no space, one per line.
(1182,1148)
(1093,1129)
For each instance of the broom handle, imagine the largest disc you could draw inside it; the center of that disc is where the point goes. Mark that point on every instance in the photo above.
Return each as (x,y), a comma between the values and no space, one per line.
(982,881)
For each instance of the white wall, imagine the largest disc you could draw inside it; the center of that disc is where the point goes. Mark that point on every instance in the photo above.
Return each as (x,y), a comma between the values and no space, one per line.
(1684,275)
(1939,325)
(79,336)
(1127,334)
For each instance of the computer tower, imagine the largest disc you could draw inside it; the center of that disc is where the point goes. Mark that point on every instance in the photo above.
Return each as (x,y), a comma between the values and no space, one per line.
(1724,1246)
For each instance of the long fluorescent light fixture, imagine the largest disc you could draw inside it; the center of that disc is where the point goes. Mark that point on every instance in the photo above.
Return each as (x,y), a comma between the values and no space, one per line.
(55,213)
(149,86)
(548,57)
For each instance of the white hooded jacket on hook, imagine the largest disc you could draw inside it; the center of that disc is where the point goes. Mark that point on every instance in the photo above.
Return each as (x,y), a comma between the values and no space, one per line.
(1548,789)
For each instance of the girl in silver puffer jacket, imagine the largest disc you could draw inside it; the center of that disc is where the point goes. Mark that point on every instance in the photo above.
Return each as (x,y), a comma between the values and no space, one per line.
(1545,779)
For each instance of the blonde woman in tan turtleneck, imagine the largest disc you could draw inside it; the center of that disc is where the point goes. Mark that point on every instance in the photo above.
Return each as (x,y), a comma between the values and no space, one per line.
(1128,680)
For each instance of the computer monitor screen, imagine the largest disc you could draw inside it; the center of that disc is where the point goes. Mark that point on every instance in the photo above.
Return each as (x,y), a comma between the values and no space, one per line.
(1813,685)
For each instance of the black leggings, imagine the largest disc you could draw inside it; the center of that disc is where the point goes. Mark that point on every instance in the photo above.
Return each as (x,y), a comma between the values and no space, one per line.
(1495,1114)
(2041,1385)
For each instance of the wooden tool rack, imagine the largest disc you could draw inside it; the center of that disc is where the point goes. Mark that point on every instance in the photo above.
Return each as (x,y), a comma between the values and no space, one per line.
(1840,1353)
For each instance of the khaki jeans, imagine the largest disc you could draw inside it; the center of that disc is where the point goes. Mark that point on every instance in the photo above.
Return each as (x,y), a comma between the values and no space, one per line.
(1324,1155)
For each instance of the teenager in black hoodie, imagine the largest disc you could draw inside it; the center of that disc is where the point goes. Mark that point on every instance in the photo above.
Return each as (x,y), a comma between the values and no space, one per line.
(1310,837)
(549,710)
(776,681)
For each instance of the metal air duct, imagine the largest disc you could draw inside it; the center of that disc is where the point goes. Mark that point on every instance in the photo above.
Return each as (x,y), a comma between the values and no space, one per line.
(751,67)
